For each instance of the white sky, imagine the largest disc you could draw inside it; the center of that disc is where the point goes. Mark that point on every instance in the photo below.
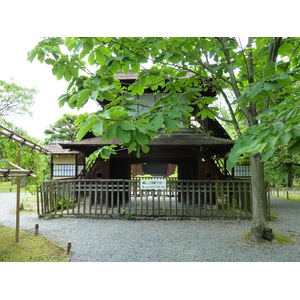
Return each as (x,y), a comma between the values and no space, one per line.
(23,22)
(14,64)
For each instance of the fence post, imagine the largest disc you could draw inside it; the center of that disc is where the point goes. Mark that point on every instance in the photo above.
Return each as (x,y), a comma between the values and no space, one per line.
(69,246)
(36,229)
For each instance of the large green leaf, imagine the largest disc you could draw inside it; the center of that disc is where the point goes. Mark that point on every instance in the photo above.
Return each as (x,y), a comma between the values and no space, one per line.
(127,126)
(170,123)
(110,133)
(83,130)
(255,90)
(98,128)
(271,85)
(123,135)
(115,66)
(104,51)
(83,97)
(117,114)
(142,138)
(157,121)
(91,58)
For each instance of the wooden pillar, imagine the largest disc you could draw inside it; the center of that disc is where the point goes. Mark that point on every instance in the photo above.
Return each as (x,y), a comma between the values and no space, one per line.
(76,165)
(51,166)
(18,200)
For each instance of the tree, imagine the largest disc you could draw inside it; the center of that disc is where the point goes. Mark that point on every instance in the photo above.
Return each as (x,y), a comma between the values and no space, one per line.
(63,129)
(15,99)
(282,168)
(260,76)
(30,158)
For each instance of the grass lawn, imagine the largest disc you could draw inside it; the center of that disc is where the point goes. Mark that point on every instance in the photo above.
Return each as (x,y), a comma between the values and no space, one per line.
(30,248)
(7,187)
(293,196)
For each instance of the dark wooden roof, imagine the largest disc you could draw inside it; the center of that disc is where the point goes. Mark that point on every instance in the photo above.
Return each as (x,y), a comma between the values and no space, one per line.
(183,139)
(57,149)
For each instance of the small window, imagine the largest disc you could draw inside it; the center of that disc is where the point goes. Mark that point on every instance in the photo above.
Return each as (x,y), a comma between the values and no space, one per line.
(66,170)
(242,171)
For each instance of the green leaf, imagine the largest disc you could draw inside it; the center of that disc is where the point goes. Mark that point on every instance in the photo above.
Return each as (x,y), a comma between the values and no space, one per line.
(101,59)
(127,126)
(255,90)
(117,114)
(145,148)
(132,147)
(96,80)
(135,68)
(91,58)
(278,125)
(98,128)
(83,130)
(115,66)
(72,100)
(60,72)
(83,97)
(110,133)
(268,154)
(170,123)
(142,138)
(285,138)
(123,135)
(104,51)
(94,94)
(271,85)
(157,121)
(50,61)
(108,96)
(107,151)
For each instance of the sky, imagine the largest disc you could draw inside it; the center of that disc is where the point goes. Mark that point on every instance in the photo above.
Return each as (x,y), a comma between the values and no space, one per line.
(22,23)
(14,64)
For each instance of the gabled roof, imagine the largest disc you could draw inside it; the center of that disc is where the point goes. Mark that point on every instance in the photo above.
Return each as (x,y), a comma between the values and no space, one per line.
(57,149)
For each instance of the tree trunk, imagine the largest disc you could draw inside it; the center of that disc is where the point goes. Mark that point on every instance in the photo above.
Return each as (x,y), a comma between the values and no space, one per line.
(260,230)
(289,176)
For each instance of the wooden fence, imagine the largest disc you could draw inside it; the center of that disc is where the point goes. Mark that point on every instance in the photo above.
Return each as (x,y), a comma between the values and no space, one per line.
(117,198)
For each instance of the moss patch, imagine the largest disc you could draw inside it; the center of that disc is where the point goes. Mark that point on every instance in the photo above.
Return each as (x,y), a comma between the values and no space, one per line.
(284,239)
(279,238)
(29,249)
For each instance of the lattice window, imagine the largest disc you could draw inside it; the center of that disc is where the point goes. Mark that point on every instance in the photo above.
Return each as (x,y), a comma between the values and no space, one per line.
(66,170)
(242,171)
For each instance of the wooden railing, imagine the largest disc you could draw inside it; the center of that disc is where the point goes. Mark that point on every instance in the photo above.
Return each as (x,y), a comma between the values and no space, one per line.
(117,198)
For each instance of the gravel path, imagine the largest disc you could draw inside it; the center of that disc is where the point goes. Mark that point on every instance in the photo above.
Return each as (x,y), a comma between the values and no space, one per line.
(96,240)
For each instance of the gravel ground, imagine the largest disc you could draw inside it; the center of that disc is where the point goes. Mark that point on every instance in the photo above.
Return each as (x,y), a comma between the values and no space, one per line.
(96,240)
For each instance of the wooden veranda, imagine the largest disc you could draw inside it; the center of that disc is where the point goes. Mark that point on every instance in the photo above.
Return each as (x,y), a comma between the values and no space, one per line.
(115,198)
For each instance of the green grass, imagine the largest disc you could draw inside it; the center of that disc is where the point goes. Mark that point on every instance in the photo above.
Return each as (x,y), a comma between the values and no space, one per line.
(7,187)
(283,239)
(292,196)
(279,238)
(29,249)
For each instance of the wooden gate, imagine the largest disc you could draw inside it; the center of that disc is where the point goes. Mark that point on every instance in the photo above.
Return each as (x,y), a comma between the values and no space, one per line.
(124,198)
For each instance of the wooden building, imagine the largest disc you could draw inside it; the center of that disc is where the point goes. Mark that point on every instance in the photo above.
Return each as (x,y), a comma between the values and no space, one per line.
(193,165)
(65,163)
(196,156)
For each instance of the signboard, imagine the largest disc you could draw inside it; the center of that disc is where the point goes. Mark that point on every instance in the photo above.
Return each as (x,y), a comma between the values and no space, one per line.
(153,184)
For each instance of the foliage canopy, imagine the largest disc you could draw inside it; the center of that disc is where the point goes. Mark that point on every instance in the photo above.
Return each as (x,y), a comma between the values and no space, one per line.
(262,75)
(64,129)
(15,99)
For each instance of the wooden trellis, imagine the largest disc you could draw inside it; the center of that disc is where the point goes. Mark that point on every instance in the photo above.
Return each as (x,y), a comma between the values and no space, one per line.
(22,140)
(18,171)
